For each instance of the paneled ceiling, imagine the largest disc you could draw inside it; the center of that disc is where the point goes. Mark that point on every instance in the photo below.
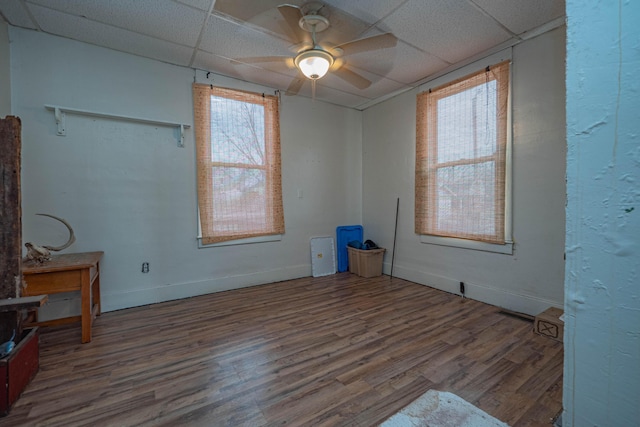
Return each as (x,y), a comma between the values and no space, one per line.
(240,38)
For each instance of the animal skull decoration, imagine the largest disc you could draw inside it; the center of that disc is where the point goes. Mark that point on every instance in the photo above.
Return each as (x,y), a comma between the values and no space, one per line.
(42,253)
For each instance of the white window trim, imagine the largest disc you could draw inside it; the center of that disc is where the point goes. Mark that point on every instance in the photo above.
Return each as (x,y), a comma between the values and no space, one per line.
(507,248)
(247,241)
(202,77)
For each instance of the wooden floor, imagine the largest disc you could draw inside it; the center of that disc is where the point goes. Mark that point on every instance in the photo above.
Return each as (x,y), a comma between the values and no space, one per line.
(336,350)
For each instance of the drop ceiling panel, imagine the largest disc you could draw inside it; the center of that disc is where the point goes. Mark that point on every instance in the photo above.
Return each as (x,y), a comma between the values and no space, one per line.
(265,78)
(333,96)
(522,15)
(231,40)
(240,11)
(451,30)
(251,74)
(282,66)
(163,19)
(367,10)
(16,14)
(379,85)
(403,63)
(264,15)
(414,67)
(432,35)
(99,34)
(198,4)
(207,61)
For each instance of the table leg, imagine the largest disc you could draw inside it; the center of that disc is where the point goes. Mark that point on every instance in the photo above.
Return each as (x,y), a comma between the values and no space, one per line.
(85,292)
(96,291)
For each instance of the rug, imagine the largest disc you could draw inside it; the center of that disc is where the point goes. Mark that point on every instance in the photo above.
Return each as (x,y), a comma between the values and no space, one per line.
(441,409)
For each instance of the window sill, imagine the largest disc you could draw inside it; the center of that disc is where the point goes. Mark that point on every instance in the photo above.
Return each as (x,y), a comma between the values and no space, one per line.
(506,249)
(251,240)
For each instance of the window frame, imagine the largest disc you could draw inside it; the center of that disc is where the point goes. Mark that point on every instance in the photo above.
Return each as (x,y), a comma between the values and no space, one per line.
(450,78)
(205,165)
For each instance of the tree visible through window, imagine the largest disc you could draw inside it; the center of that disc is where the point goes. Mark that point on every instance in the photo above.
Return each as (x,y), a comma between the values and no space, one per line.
(461,145)
(238,154)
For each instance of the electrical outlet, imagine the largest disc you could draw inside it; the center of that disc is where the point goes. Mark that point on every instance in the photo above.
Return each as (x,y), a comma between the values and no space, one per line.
(145,267)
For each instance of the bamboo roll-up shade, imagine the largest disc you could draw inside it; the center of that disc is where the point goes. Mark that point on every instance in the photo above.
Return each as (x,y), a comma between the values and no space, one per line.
(461,141)
(238,164)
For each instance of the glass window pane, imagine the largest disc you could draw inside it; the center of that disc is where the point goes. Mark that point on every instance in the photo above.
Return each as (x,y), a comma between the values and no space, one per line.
(237,132)
(239,202)
(466,123)
(466,198)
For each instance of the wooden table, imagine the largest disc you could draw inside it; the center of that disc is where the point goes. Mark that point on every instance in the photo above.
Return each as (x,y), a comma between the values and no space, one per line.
(67,273)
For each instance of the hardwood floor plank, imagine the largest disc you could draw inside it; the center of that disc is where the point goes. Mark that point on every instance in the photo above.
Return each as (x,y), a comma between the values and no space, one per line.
(332,351)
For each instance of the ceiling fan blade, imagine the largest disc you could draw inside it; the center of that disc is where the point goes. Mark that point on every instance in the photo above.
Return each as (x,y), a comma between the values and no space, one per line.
(294,87)
(381,41)
(352,77)
(257,59)
(292,16)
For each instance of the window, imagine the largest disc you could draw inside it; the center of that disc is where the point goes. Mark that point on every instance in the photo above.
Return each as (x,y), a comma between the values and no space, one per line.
(238,164)
(461,158)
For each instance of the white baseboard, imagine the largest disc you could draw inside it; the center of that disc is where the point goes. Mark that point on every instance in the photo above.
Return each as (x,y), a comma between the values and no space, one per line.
(69,304)
(511,300)
(173,291)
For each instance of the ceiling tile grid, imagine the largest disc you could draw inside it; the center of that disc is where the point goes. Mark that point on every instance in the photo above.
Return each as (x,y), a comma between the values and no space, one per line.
(368,11)
(432,35)
(403,63)
(449,29)
(331,95)
(88,31)
(231,40)
(203,5)
(244,72)
(162,19)
(522,16)
(16,14)
(379,85)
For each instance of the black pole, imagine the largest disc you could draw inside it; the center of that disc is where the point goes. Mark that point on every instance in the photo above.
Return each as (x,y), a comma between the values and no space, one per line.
(395,233)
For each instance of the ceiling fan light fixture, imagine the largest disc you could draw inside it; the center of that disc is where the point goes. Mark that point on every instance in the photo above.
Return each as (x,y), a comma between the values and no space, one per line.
(314,63)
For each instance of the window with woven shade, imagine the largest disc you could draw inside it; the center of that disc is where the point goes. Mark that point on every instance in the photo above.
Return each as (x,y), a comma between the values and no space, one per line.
(238,164)
(461,158)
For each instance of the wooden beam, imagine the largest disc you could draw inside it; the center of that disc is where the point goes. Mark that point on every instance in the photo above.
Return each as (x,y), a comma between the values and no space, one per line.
(11,224)
(15,304)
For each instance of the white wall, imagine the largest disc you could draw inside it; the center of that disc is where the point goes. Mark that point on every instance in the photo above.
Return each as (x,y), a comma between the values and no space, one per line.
(128,190)
(531,279)
(5,75)
(602,304)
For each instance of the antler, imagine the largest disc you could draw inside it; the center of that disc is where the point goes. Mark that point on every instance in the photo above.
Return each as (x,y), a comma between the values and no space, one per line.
(72,237)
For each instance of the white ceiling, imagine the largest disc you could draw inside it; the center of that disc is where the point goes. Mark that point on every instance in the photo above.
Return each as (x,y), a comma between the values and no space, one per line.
(218,35)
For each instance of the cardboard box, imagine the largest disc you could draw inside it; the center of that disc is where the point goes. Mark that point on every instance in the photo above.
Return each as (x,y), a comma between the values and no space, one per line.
(548,324)
(366,263)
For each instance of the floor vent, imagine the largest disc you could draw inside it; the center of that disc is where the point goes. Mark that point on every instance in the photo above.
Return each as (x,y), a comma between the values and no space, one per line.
(522,316)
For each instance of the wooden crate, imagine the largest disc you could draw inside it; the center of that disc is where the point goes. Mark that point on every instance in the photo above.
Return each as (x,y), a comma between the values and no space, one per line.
(18,368)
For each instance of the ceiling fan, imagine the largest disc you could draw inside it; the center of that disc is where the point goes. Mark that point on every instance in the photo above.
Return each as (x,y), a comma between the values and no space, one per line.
(314,58)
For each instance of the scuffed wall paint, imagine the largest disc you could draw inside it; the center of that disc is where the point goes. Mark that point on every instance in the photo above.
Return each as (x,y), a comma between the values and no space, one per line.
(602,283)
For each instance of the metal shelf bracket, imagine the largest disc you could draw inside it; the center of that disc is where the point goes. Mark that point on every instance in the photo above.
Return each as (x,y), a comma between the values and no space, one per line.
(60,121)
(60,116)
